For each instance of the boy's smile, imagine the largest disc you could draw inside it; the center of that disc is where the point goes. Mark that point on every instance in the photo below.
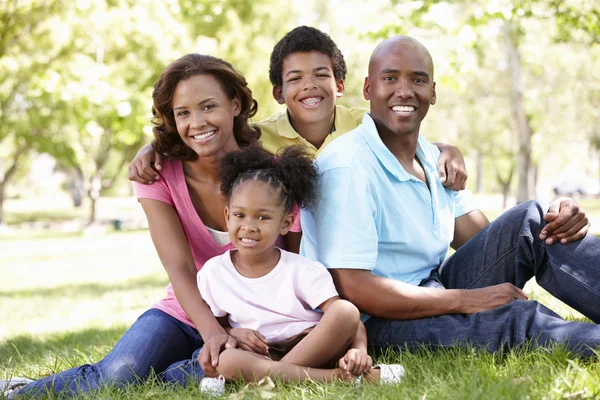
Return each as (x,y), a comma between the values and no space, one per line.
(309,88)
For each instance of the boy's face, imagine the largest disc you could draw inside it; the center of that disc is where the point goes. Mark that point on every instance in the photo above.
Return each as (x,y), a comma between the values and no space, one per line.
(309,88)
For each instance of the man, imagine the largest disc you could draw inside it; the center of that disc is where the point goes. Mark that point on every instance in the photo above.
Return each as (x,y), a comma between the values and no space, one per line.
(383,223)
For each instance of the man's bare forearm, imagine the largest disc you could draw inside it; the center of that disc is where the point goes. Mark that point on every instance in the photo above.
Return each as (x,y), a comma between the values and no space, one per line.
(387,298)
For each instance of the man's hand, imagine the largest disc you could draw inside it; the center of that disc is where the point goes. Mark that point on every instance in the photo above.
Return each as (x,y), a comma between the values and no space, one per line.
(140,168)
(356,362)
(209,355)
(567,222)
(250,340)
(476,300)
(452,169)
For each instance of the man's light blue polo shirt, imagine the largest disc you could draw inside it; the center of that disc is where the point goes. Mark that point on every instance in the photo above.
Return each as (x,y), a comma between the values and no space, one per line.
(371,214)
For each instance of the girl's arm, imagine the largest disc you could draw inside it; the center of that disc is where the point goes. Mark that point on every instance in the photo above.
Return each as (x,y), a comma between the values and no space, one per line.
(174,252)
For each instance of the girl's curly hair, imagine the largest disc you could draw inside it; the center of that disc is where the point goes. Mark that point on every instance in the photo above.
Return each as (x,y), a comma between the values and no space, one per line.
(166,138)
(291,173)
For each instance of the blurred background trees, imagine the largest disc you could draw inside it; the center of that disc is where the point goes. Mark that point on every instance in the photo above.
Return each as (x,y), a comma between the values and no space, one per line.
(518,81)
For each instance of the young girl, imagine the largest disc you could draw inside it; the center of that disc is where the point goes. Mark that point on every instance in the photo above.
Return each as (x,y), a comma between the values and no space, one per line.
(268,295)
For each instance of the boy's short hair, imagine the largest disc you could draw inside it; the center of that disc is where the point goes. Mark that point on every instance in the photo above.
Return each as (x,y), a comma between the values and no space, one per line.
(305,39)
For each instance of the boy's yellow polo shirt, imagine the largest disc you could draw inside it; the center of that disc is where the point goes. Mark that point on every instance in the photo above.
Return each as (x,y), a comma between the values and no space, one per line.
(277,131)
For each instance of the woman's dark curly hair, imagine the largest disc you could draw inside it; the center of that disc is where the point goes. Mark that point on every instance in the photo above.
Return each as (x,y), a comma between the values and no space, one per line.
(291,173)
(304,39)
(166,138)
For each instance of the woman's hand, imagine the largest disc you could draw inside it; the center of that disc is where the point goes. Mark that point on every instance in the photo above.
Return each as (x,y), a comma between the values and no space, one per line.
(209,354)
(249,340)
(356,362)
(141,167)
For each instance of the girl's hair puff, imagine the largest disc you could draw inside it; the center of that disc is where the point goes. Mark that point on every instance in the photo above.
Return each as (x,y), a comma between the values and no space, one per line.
(233,83)
(291,173)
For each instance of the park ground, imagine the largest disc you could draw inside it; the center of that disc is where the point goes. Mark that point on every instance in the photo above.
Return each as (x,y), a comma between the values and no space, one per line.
(66,297)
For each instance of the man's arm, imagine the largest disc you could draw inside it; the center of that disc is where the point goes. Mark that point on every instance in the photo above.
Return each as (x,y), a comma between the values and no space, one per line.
(466,226)
(391,299)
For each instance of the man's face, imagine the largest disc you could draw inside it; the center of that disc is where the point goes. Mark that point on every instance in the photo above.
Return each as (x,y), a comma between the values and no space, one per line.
(400,86)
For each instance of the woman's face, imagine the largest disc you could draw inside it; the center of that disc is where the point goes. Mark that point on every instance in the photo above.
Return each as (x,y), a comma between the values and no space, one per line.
(204,116)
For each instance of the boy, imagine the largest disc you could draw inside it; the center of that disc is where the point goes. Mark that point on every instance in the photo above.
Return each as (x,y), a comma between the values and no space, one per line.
(307,71)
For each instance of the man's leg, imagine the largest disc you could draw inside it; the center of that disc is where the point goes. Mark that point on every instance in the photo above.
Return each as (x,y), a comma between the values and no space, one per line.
(506,327)
(153,342)
(509,250)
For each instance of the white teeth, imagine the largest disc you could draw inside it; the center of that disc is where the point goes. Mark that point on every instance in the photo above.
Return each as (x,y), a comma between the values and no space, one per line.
(311,101)
(204,135)
(249,241)
(403,109)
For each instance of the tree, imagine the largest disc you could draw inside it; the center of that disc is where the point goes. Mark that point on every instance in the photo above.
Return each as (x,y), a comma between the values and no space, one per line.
(27,27)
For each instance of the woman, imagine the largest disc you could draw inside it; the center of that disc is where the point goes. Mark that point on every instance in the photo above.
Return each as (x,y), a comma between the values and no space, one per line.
(201,108)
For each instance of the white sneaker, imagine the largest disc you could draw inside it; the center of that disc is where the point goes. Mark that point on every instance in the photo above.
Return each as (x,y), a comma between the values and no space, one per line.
(213,386)
(390,374)
(9,387)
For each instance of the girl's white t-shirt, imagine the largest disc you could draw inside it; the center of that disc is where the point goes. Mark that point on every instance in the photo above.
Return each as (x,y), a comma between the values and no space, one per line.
(279,305)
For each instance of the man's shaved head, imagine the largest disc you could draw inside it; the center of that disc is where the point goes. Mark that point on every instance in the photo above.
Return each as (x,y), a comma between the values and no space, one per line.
(400,86)
(398,43)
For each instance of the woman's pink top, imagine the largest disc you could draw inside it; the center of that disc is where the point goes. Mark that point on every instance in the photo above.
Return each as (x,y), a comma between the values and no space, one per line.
(172,189)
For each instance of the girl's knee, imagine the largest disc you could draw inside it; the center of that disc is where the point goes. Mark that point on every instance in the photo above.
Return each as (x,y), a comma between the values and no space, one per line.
(345,314)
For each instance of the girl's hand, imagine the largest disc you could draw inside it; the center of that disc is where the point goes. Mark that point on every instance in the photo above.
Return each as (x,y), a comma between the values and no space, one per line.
(249,340)
(356,362)
(209,355)
(141,167)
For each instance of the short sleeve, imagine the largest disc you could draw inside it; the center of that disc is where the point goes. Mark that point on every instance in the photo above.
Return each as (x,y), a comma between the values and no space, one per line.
(156,191)
(315,285)
(463,203)
(204,279)
(340,231)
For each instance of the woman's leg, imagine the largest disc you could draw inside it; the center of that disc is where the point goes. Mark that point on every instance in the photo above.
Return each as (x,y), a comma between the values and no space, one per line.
(330,338)
(153,342)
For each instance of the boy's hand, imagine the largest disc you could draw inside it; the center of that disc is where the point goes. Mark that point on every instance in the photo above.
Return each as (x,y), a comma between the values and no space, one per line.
(140,168)
(567,222)
(356,362)
(249,340)
(452,169)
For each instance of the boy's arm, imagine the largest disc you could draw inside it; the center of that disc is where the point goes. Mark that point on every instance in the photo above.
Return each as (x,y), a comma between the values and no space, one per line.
(360,341)
(141,167)
(451,167)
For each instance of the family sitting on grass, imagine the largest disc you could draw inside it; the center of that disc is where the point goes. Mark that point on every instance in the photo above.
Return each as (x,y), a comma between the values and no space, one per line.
(378,211)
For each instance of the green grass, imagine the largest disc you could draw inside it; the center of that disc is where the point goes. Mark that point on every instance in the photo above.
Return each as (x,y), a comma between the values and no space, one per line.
(66,300)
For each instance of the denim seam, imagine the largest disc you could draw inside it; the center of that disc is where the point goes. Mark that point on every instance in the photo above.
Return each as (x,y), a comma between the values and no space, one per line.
(492,265)
(582,283)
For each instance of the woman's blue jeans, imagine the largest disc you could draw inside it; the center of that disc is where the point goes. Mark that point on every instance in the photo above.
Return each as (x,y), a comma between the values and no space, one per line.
(509,250)
(156,342)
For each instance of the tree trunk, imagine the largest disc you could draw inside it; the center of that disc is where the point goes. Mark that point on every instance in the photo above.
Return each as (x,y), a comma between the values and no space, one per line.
(520,116)
(6,175)
(2,186)
(479,183)
(94,195)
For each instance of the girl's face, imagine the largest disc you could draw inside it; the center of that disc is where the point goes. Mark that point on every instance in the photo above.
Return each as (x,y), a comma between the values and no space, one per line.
(204,116)
(255,218)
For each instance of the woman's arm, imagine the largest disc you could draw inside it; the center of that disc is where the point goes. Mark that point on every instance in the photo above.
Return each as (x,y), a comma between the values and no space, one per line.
(174,252)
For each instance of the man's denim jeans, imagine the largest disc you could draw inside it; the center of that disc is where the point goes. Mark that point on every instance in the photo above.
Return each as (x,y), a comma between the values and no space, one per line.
(509,250)
(155,342)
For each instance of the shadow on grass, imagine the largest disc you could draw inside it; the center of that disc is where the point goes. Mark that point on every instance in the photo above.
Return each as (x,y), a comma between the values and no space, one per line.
(93,289)
(27,349)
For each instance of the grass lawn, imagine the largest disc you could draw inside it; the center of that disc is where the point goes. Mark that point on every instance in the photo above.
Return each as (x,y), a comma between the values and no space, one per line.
(66,300)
